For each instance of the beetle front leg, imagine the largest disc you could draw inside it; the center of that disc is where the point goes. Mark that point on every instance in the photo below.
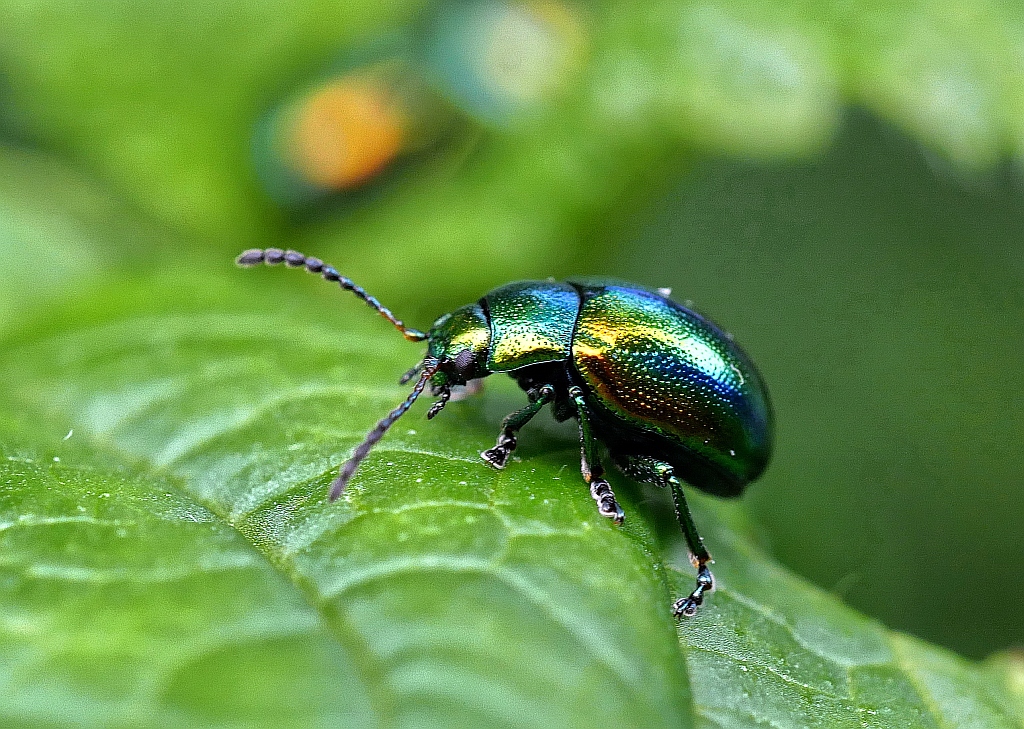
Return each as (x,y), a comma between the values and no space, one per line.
(651,470)
(590,463)
(510,426)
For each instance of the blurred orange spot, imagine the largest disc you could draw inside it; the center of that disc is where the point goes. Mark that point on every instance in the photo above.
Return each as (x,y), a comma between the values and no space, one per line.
(346,132)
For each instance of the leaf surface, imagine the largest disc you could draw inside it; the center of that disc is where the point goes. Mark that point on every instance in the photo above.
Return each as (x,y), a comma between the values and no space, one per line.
(170,558)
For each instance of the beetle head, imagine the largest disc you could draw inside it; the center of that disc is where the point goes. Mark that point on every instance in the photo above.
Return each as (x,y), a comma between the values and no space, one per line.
(457,349)
(460,343)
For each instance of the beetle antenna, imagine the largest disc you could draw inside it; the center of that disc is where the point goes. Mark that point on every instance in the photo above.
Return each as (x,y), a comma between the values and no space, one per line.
(294,259)
(413,371)
(363,449)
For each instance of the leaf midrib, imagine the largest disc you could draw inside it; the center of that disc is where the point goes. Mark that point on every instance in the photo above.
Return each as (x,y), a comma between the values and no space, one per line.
(371,670)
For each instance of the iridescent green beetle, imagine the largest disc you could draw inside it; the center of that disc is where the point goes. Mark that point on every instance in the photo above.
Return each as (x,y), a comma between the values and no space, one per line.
(666,391)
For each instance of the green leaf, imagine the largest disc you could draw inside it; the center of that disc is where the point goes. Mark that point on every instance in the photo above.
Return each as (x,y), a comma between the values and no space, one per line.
(1008,670)
(170,559)
(448,590)
(126,603)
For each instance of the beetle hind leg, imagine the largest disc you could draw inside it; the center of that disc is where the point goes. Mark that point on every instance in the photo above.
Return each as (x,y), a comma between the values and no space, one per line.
(651,470)
(510,426)
(590,464)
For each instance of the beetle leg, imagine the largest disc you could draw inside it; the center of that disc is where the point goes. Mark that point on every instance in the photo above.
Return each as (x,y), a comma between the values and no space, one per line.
(446,395)
(651,470)
(590,463)
(498,455)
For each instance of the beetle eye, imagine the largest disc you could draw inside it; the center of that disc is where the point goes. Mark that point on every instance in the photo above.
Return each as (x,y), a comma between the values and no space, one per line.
(463,361)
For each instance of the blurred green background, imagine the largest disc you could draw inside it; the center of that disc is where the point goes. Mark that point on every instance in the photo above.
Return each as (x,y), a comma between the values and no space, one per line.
(837,186)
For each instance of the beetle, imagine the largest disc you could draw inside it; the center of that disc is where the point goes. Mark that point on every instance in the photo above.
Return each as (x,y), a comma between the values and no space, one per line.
(668,393)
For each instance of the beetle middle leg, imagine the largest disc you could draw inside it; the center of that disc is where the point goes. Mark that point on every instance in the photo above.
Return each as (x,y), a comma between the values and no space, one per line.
(510,426)
(652,470)
(590,463)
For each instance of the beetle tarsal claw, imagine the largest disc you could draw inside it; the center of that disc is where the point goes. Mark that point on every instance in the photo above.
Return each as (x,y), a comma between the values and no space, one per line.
(607,506)
(687,607)
(497,456)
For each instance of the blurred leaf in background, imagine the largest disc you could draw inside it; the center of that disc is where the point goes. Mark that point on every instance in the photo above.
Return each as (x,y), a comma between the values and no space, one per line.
(831,183)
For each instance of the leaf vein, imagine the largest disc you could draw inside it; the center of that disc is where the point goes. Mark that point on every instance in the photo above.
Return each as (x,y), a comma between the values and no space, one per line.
(492,568)
(781,676)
